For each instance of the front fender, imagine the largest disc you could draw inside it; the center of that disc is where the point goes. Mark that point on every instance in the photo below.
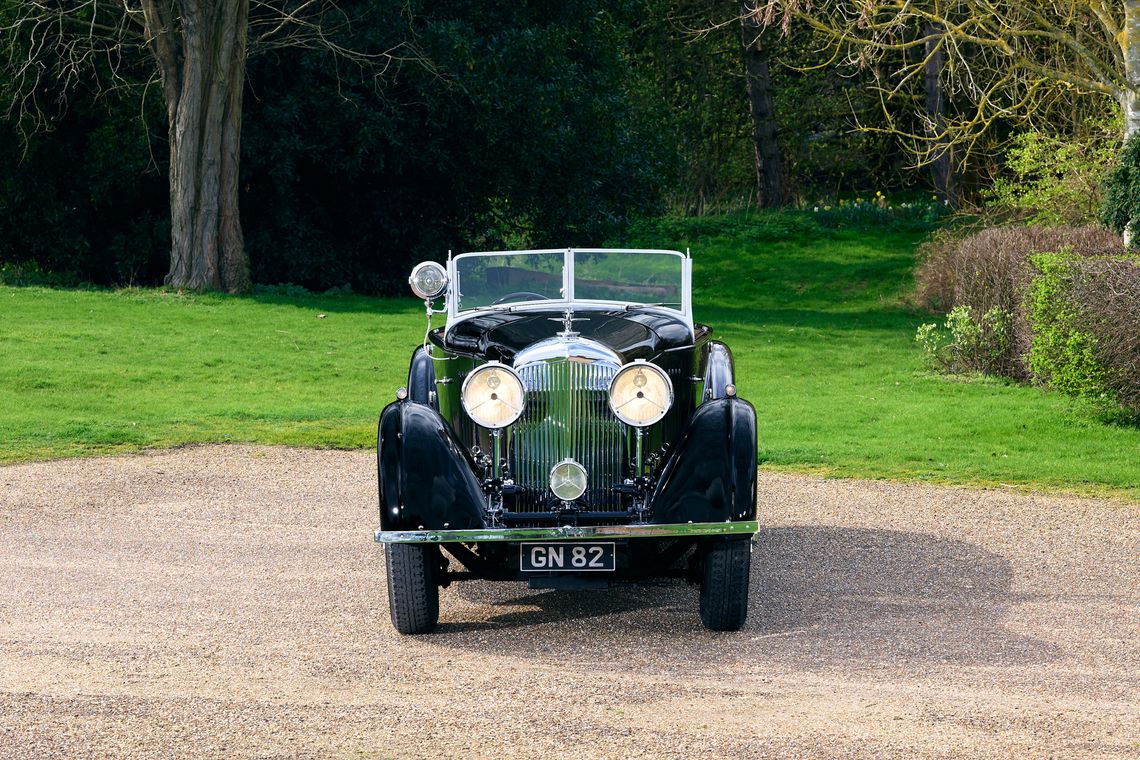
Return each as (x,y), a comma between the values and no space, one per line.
(711,474)
(421,378)
(427,479)
(719,371)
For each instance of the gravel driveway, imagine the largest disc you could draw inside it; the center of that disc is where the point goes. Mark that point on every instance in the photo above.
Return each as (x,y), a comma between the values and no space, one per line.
(228,601)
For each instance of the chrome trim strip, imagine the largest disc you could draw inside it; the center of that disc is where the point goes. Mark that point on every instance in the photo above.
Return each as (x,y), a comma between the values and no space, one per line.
(565,532)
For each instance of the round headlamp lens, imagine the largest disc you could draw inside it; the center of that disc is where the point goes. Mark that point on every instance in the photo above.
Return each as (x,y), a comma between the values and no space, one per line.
(493,395)
(428,280)
(641,394)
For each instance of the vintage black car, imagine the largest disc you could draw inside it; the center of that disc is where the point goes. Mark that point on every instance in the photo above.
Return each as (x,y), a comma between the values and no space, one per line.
(569,426)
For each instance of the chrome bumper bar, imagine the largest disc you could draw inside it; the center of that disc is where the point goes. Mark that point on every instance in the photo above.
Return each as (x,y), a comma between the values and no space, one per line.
(565,533)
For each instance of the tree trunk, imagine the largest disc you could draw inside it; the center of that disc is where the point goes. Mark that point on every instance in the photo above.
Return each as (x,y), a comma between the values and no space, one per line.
(942,157)
(1130,47)
(200,49)
(1130,97)
(1130,102)
(770,178)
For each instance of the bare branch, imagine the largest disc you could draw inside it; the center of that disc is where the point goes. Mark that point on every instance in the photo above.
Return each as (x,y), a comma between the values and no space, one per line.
(48,47)
(1005,59)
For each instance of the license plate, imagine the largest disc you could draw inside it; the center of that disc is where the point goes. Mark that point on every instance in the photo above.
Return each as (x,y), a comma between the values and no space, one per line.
(565,556)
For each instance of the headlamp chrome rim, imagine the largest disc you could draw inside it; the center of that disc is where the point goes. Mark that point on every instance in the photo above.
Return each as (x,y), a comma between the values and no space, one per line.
(570,473)
(663,406)
(471,410)
(417,286)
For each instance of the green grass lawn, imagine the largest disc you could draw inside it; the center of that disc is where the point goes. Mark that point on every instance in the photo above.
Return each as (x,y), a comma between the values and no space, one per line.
(816,317)
(91,372)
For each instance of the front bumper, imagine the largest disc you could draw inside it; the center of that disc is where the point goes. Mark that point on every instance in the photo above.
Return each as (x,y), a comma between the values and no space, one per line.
(566,533)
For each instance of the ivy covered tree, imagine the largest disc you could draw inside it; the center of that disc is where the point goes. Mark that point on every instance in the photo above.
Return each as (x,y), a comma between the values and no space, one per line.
(1121,211)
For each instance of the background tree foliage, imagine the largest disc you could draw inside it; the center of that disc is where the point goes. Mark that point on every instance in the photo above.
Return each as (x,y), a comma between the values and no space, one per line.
(999,62)
(691,57)
(519,127)
(88,199)
(518,124)
(1121,211)
(521,131)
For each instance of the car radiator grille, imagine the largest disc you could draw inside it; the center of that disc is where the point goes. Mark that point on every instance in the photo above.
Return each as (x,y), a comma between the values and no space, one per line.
(567,415)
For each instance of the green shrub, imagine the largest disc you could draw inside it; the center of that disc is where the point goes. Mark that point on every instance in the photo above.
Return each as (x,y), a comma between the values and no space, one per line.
(1107,291)
(1085,318)
(1121,207)
(1061,355)
(965,343)
(282,289)
(989,270)
(875,214)
(751,225)
(1056,180)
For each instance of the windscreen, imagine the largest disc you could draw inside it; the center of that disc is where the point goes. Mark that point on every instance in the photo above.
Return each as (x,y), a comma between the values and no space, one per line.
(636,276)
(503,279)
(506,279)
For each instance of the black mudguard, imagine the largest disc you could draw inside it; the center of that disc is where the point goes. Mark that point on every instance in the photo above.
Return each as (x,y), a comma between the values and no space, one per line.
(427,478)
(719,372)
(711,474)
(421,379)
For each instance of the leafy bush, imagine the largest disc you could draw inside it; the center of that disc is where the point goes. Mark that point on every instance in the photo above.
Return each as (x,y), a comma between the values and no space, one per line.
(875,216)
(1056,180)
(1062,355)
(1085,317)
(1108,293)
(282,289)
(1122,192)
(965,344)
(989,270)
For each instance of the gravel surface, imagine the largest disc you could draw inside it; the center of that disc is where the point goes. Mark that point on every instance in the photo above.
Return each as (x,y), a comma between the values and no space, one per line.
(228,601)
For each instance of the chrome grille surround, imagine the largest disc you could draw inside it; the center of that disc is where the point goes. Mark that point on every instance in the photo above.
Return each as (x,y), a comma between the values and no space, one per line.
(567,415)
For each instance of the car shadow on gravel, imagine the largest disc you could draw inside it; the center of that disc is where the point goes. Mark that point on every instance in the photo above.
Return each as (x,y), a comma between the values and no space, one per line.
(837,593)
(514,605)
(820,596)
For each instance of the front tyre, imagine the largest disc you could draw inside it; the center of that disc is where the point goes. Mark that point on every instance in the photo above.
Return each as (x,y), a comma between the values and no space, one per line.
(724,584)
(413,591)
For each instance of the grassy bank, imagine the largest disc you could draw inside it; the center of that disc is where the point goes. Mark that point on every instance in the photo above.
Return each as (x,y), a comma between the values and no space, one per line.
(815,315)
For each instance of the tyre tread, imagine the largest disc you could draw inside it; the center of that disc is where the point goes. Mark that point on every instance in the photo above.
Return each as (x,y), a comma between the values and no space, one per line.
(413,594)
(724,584)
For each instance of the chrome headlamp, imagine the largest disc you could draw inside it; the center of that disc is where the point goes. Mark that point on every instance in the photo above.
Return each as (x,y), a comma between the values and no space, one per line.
(568,480)
(641,393)
(493,395)
(428,280)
